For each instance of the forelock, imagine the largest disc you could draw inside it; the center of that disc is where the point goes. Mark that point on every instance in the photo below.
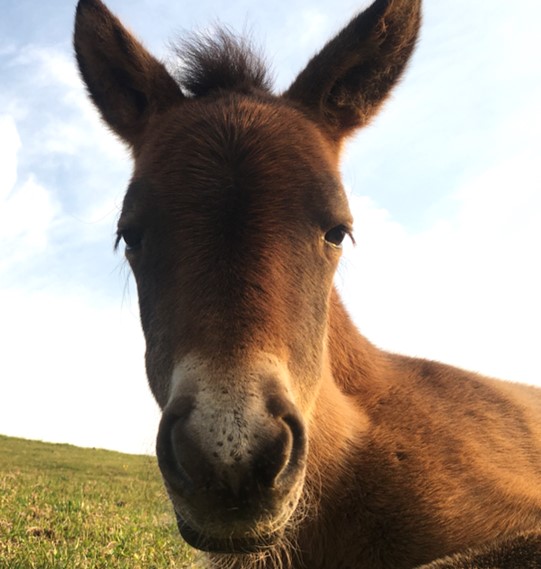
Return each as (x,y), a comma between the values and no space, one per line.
(219,61)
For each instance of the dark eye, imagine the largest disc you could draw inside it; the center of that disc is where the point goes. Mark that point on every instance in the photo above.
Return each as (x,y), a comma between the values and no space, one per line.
(131,237)
(336,235)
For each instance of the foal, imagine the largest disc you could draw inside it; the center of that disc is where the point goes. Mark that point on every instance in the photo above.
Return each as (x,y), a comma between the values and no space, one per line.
(288,439)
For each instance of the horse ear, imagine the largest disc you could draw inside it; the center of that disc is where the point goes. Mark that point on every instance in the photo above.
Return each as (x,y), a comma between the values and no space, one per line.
(343,86)
(126,83)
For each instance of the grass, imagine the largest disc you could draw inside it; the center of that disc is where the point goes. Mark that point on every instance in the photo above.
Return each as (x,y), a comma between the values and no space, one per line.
(64,507)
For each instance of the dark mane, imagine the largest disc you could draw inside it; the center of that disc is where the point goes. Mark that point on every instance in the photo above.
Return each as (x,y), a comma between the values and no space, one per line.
(221,61)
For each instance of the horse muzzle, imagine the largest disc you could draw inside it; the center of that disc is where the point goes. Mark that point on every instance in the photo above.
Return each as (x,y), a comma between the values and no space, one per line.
(233,461)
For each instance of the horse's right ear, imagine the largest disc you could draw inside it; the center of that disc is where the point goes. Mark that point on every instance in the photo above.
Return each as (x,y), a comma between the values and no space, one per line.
(343,86)
(125,81)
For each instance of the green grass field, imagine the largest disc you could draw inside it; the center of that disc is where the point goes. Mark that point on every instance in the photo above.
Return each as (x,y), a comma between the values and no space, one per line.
(65,507)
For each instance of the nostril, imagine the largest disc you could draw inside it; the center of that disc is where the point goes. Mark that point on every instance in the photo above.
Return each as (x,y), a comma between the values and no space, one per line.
(297,454)
(274,457)
(282,456)
(296,425)
(170,443)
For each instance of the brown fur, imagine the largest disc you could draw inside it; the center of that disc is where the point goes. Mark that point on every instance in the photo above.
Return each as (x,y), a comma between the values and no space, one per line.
(522,551)
(288,439)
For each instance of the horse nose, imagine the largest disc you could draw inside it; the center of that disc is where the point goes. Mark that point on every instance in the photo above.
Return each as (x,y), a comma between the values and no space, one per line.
(230,453)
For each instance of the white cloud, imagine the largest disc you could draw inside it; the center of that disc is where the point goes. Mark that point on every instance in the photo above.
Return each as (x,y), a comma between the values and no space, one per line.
(62,121)
(51,66)
(63,174)
(27,210)
(10,143)
(71,363)
(465,289)
(72,371)
(25,220)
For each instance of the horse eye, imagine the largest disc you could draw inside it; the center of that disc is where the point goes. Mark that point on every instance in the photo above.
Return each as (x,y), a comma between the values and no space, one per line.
(336,235)
(132,238)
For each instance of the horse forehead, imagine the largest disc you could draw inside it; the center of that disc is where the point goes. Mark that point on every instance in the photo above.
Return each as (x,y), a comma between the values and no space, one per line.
(240,139)
(231,160)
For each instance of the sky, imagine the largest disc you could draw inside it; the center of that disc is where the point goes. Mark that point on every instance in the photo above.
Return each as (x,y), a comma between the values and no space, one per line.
(445,188)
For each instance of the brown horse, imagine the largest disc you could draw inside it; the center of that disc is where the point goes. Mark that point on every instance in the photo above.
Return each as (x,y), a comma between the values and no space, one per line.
(287,439)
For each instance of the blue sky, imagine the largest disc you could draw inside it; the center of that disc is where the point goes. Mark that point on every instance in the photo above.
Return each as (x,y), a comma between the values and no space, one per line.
(445,187)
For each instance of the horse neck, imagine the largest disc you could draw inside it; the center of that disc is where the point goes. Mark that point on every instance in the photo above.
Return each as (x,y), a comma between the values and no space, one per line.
(357,366)
(354,378)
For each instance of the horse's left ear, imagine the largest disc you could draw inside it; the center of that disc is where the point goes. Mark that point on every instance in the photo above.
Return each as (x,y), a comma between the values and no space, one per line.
(125,81)
(343,86)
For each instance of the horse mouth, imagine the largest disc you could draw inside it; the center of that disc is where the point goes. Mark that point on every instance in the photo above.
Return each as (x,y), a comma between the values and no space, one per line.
(227,545)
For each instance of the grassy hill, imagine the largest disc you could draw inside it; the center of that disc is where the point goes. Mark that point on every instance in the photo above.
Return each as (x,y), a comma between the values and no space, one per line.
(64,507)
